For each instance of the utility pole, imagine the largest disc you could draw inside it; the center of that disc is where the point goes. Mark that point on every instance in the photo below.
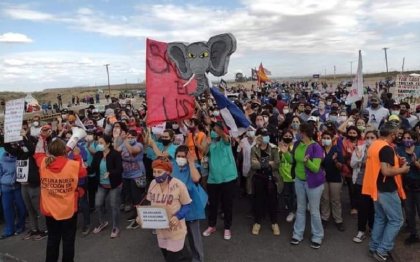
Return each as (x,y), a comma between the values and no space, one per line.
(334,72)
(402,68)
(109,86)
(386,59)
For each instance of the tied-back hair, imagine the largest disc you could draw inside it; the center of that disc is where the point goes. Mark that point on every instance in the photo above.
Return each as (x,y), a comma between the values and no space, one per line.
(56,148)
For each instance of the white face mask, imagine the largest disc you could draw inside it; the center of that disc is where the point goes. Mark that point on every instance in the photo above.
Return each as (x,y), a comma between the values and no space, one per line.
(326,142)
(286,111)
(89,138)
(216,113)
(35,123)
(181,161)
(395,112)
(175,126)
(250,134)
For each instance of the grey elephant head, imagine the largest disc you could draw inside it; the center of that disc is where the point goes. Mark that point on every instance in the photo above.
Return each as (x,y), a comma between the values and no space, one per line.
(200,58)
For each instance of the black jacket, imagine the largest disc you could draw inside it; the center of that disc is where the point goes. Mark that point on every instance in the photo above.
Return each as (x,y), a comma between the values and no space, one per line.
(113,165)
(25,150)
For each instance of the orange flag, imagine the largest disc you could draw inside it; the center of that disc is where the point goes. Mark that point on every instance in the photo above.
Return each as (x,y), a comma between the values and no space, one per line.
(262,76)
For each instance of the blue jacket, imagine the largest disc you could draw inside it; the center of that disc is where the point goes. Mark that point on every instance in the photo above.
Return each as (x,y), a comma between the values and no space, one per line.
(8,172)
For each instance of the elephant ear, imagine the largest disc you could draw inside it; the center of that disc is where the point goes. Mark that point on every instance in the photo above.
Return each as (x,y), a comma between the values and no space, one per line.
(221,47)
(177,53)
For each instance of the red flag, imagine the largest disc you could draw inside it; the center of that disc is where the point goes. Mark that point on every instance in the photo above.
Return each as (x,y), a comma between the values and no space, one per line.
(167,97)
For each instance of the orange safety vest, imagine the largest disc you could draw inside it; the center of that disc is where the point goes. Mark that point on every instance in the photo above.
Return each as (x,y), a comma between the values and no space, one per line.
(59,190)
(373,167)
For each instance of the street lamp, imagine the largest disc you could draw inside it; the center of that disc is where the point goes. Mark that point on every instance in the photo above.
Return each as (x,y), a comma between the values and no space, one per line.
(109,86)
(386,59)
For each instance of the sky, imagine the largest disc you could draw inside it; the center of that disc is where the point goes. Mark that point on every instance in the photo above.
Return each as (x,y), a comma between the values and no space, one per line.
(65,43)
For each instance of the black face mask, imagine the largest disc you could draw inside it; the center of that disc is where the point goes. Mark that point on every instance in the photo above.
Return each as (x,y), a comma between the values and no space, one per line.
(165,142)
(352,138)
(307,111)
(375,105)
(287,140)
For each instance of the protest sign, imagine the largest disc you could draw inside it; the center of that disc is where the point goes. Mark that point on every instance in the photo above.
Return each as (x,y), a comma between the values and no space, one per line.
(356,89)
(153,217)
(168,97)
(22,171)
(13,120)
(407,89)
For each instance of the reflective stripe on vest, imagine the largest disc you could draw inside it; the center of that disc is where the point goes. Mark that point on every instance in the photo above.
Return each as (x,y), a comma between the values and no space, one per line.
(59,190)
(373,167)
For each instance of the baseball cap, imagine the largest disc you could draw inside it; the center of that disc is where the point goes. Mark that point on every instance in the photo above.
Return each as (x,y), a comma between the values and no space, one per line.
(393,118)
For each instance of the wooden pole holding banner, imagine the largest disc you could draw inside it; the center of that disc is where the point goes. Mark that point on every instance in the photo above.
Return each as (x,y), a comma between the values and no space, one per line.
(109,86)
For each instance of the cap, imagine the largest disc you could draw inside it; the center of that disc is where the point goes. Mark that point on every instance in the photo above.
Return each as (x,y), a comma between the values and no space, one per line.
(109,112)
(393,117)
(313,118)
(162,163)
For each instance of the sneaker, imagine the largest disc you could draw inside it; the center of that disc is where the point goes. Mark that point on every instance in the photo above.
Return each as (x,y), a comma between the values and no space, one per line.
(340,227)
(100,227)
(276,229)
(290,217)
(29,235)
(227,235)
(411,240)
(256,229)
(381,257)
(359,237)
(209,231)
(19,231)
(133,225)
(353,212)
(315,245)
(41,235)
(86,230)
(115,233)
(294,242)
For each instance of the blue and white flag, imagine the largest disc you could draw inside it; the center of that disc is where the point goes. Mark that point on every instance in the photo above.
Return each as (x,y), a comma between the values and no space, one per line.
(234,118)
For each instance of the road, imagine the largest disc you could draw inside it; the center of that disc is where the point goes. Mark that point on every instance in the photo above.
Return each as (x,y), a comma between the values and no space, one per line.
(141,245)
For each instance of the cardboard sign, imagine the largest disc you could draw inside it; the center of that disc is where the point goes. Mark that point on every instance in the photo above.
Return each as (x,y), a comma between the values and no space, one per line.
(407,89)
(153,217)
(22,171)
(13,120)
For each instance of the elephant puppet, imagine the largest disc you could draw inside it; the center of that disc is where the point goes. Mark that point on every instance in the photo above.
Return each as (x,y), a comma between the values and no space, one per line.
(196,59)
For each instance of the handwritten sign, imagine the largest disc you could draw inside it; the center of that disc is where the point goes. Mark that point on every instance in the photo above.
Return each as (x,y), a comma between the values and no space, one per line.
(168,98)
(407,89)
(153,217)
(22,171)
(13,120)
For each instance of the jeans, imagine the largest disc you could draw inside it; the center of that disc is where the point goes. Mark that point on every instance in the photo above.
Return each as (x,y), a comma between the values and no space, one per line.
(265,199)
(412,207)
(12,200)
(221,192)
(303,194)
(31,197)
(195,240)
(365,209)
(57,230)
(388,222)
(114,199)
(331,202)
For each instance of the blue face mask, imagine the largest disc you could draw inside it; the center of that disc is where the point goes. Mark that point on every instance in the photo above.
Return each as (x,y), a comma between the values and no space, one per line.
(100,147)
(266,139)
(162,178)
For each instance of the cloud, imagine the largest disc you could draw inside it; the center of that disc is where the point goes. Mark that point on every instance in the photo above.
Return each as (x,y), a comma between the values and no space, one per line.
(14,38)
(22,13)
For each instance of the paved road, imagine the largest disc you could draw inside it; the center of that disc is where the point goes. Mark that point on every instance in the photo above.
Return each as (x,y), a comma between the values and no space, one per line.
(141,245)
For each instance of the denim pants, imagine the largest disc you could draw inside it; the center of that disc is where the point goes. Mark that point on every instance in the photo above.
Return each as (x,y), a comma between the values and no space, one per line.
(114,199)
(303,195)
(12,200)
(388,222)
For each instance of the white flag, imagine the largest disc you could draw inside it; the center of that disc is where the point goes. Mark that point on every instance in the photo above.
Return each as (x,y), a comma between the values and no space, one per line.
(356,90)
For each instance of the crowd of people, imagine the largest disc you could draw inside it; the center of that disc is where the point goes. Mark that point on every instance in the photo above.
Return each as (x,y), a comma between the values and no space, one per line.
(303,146)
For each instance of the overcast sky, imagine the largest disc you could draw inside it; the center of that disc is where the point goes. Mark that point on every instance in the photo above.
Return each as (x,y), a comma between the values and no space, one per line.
(62,43)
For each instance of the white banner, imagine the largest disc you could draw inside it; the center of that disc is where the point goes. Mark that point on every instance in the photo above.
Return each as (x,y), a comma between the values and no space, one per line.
(13,120)
(407,89)
(153,217)
(356,90)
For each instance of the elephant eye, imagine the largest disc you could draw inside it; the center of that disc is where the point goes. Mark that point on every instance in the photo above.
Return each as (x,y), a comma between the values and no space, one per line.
(191,55)
(205,54)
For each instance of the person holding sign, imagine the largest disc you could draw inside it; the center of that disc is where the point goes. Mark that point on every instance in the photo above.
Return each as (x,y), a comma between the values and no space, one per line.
(60,181)
(27,175)
(171,194)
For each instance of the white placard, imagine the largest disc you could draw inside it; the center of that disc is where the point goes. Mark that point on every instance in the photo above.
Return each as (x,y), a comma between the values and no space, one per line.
(153,217)
(407,89)
(22,171)
(13,120)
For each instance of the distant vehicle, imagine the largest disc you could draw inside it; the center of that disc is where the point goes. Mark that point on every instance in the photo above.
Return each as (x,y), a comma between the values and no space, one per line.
(232,96)
(141,93)
(346,83)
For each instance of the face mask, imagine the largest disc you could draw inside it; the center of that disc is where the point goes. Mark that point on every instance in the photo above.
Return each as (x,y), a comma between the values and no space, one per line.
(342,118)
(369,142)
(213,135)
(352,138)
(89,138)
(295,126)
(287,140)
(286,111)
(260,124)
(36,123)
(375,105)
(165,142)
(329,103)
(361,128)
(395,112)
(307,111)
(100,147)
(216,113)
(132,141)
(250,134)
(162,178)
(333,118)
(181,161)
(403,112)
(408,143)
(266,139)
(175,126)
(326,142)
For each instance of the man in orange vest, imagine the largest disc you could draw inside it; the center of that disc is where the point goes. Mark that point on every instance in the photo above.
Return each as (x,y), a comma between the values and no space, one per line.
(382,182)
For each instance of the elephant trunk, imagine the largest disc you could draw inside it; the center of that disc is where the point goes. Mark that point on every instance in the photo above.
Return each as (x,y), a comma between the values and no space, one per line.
(202,84)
